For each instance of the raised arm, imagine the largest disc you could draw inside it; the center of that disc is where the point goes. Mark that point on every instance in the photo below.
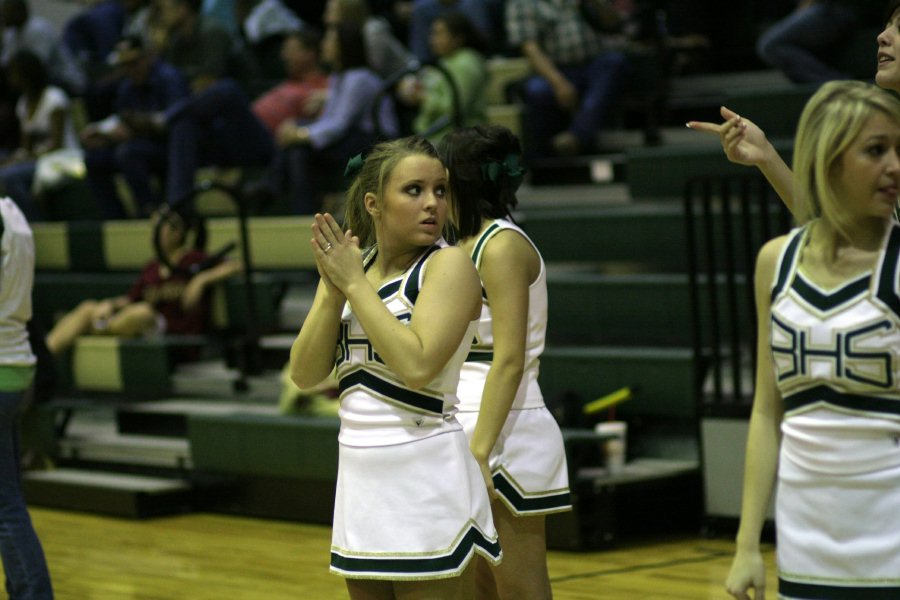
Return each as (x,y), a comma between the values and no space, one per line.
(449,299)
(745,143)
(312,354)
(761,461)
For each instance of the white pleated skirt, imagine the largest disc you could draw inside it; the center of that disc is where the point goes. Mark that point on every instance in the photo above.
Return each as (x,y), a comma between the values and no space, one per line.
(528,462)
(411,511)
(838,536)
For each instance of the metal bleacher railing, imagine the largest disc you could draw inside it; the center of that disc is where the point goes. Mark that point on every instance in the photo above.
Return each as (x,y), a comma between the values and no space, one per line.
(727,220)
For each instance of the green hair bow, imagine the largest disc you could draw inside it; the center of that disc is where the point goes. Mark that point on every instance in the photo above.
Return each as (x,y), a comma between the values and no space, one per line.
(492,170)
(354,166)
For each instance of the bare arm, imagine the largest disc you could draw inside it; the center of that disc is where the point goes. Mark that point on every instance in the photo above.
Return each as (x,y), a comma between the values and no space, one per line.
(312,354)
(745,143)
(199,283)
(509,267)
(449,299)
(763,439)
(543,65)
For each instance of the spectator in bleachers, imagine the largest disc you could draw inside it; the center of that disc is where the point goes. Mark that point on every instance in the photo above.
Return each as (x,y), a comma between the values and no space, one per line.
(92,34)
(219,127)
(24,564)
(199,47)
(268,18)
(45,124)
(385,54)
(301,96)
(396,12)
(24,31)
(265,23)
(111,146)
(578,75)
(798,44)
(424,12)
(317,151)
(460,50)
(162,300)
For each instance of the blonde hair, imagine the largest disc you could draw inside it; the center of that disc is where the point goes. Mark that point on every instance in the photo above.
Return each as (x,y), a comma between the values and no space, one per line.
(374,174)
(832,119)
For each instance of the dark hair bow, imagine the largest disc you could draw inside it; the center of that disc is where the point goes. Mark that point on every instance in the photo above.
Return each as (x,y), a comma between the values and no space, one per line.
(510,166)
(354,166)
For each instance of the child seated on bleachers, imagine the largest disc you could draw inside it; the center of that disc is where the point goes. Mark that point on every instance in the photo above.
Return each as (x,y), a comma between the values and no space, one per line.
(165,298)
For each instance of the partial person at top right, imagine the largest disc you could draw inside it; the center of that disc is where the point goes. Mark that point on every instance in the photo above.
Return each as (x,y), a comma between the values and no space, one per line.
(745,143)
(799,43)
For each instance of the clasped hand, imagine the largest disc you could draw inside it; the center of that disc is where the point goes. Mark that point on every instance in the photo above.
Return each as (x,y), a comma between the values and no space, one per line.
(337,254)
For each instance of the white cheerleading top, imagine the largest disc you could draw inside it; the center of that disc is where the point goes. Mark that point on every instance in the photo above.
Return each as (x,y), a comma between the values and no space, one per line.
(836,355)
(478,363)
(16,280)
(377,408)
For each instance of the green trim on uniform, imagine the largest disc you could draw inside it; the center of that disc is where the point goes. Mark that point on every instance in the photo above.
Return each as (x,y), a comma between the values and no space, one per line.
(795,589)
(478,250)
(887,290)
(787,262)
(374,383)
(830,301)
(823,394)
(550,502)
(418,565)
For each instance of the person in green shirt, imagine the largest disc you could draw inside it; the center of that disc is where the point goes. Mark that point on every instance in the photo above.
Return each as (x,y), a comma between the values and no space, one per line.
(459,48)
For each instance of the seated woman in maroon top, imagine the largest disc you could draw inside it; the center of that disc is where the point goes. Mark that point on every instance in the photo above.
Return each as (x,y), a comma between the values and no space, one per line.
(161,300)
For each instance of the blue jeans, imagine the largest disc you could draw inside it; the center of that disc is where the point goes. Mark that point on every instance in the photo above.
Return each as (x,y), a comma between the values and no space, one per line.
(794,44)
(213,127)
(27,577)
(306,172)
(137,159)
(599,84)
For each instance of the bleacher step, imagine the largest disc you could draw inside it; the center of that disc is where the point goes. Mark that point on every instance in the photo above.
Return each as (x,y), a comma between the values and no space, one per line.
(169,417)
(148,451)
(648,234)
(110,493)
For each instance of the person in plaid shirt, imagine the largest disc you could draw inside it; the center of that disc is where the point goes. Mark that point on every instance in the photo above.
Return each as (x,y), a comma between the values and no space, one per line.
(578,74)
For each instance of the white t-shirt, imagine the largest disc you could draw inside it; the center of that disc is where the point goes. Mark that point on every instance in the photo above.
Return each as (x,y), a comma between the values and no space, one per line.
(37,125)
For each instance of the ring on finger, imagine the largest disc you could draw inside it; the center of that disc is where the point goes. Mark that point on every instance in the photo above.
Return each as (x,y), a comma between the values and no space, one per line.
(328,246)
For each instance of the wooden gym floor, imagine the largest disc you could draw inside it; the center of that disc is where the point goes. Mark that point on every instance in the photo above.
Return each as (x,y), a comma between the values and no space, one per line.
(211,557)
